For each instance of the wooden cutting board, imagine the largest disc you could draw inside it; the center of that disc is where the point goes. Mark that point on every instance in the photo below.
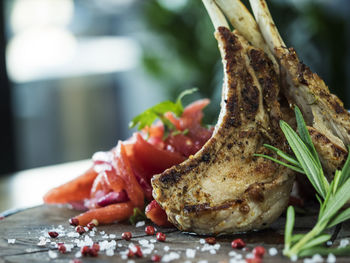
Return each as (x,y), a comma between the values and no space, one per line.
(28,225)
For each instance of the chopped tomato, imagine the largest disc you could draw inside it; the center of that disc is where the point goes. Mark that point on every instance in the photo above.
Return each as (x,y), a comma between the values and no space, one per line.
(152,159)
(123,169)
(155,213)
(75,190)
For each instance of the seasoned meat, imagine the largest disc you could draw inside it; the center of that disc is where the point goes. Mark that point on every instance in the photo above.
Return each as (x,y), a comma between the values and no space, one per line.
(324,112)
(224,188)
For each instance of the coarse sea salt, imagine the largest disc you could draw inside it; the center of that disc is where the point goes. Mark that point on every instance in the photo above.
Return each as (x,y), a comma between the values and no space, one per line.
(166,248)
(273,251)
(190,253)
(202,241)
(110,252)
(52,254)
(11,240)
(112,236)
(202,261)
(140,224)
(171,256)
(143,242)
(73,234)
(331,258)
(78,254)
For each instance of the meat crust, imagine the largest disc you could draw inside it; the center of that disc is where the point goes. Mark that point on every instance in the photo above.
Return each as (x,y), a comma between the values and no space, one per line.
(224,188)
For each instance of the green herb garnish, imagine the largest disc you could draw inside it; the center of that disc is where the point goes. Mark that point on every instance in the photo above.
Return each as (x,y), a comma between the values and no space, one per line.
(331,196)
(137,216)
(146,118)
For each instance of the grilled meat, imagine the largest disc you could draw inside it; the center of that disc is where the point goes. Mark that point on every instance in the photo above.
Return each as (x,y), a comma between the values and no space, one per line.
(224,188)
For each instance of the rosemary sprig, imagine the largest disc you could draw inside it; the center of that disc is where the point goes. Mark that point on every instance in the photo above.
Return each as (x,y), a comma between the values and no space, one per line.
(332,196)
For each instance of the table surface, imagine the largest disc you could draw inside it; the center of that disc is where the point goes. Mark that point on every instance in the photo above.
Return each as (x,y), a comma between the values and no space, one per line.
(26,189)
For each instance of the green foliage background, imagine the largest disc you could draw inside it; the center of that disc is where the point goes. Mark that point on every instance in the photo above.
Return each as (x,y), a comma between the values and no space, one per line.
(184,52)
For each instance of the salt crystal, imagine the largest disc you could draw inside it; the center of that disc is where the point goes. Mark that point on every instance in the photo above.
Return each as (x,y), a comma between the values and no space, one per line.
(102,232)
(212,251)
(131,261)
(112,236)
(202,261)
(250,255)
(344,243)
(11,241)
(331,258)
(273,251)
(132,247)
(92,234)
(105,236)
(232,253)
(147,251)
(78,254)
(329,243)
(52,254)
(317,258)
(143,242)
(294,258)
(120,245)
(110,252)
(69,247)
(202,241)
(216,246)
(166,248)
(86,229)
(171,256)
(140,224)
(153,240)
(124,257)
(190,253)
(73,234)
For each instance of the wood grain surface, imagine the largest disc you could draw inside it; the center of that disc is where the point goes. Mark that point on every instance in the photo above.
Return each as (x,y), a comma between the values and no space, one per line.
(28,225)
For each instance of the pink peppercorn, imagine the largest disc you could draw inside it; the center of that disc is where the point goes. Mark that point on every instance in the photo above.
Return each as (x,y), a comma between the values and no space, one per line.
(259,251)
(53,234)
(161,236)
(156,258)
(238,243)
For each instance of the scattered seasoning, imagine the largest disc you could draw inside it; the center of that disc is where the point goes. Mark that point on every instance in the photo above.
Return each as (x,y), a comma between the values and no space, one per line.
(75,261)
(138,252)
(149,230)
(140,224)
(53,234)
(85,250)
(2,217)
(156,258)
(11,241)
(253,260)
(74,221)
(210,240)
(80,230)
(96,247)
(273,251)
(92,224)
(130,253)
(127,236)
(161,236)
(238,243)
(62,248)
(259,251)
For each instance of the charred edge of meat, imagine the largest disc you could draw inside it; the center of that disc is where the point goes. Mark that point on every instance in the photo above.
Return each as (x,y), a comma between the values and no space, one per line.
(232,46)
(304,74)
(205,207)
(173,175)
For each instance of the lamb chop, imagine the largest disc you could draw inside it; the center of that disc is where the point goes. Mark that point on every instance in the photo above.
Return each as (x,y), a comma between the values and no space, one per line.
(329,122)
(224,188)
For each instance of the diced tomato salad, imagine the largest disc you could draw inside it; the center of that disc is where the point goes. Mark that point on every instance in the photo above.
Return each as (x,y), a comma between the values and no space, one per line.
(120,180)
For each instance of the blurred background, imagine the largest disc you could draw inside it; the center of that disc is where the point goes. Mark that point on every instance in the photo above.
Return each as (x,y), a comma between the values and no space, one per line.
(74,72)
